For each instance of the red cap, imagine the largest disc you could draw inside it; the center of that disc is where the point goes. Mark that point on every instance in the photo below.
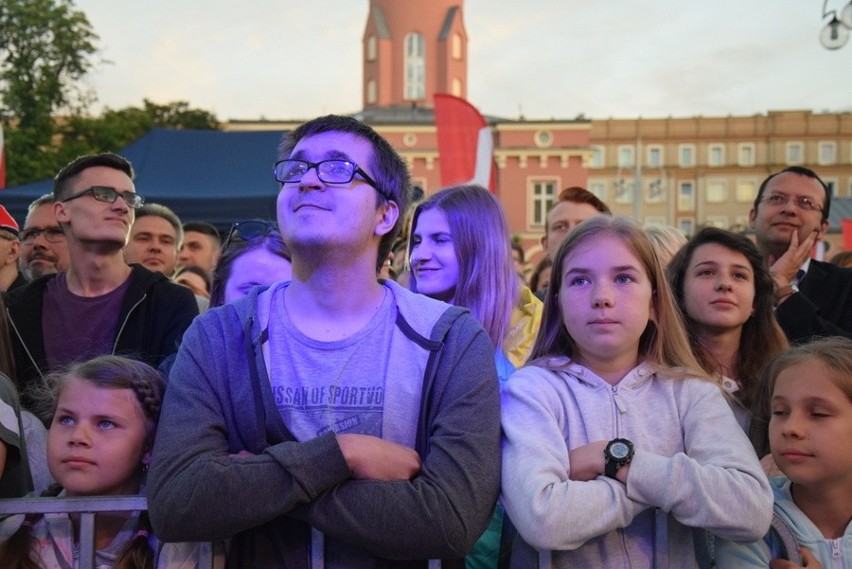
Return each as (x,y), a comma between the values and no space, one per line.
(7,222)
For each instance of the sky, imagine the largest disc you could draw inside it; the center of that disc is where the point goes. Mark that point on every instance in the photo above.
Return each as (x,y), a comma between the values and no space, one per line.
(540,59)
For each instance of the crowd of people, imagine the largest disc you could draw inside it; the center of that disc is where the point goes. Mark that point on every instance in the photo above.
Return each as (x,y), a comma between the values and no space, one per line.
(371,382)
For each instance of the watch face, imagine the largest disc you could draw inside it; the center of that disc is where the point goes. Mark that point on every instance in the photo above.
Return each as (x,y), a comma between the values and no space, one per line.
(619,450)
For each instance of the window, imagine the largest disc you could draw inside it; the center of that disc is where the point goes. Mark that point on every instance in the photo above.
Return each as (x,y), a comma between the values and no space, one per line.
(716,155)
(543,138)
(543,196)
(746,191)
(624,190)
(597,157)
(795,153)
(371,91)
(625,157)
(599,189)
(415,67)
(746,154)
(716,191)
(832,186)
(827,152)
(456,88)
(456,46)
(686,225)
(686,195)
(687,155)
(371,48)
(655,156)
(720,221)
(656,191)
(656,220)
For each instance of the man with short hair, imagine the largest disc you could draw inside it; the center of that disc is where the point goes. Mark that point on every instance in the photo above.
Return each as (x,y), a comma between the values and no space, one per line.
(155,238)
(10,250)
(573,205)
(790,214)
(99,305)
(43,247)
(345,419)
(200,247)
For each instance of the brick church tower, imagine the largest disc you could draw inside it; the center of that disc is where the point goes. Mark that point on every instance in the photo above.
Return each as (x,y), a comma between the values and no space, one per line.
(413,49)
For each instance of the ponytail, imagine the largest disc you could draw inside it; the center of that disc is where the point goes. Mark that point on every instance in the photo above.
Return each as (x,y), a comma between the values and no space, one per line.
(138,553)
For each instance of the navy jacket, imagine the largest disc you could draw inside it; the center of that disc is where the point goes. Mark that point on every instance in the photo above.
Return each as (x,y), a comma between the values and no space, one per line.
(822,307)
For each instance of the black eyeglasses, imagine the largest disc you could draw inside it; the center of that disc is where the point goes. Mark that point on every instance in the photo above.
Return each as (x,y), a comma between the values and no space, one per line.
(250,230)
(51,234)
(109,195)
(328,171)
(803,202)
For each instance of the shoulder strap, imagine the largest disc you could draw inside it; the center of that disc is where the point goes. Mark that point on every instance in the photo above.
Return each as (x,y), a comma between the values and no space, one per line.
(786,539)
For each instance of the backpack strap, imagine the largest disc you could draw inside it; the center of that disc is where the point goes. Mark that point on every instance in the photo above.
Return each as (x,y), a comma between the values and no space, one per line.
(786,539)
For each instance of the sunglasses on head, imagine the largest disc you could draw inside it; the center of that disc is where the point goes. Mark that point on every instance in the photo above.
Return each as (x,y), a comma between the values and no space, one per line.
(250,230)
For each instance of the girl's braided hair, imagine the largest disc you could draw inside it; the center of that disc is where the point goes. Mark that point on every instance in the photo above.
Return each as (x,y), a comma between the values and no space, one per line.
(111,372)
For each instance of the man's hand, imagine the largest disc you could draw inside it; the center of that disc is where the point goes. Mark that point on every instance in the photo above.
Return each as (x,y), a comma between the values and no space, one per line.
(587,461)
(372,458)
(808,560)
(785,267)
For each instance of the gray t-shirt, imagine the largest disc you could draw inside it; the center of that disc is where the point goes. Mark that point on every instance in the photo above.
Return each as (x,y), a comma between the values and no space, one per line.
(323,386)
(337,386)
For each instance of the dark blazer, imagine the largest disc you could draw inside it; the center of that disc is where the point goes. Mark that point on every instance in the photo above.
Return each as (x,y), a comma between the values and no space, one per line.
(822,307)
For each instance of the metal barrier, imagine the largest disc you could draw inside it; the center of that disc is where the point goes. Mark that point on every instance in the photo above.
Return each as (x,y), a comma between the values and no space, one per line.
(88,507)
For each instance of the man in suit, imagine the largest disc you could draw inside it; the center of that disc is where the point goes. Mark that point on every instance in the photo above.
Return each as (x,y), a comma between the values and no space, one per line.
(790,214)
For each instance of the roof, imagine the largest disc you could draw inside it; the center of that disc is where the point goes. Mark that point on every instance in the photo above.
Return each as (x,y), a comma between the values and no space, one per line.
(209,175)
(448,23)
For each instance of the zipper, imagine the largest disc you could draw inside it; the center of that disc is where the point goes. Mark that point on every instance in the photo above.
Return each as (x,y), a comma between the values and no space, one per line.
(836,553)
(126,319)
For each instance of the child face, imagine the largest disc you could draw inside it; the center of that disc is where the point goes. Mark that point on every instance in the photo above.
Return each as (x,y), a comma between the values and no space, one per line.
(433,256)
(96,442)
(718,288)
(810,430)
(606,303)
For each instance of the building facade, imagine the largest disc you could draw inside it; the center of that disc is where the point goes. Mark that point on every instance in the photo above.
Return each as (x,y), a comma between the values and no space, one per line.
(684,172)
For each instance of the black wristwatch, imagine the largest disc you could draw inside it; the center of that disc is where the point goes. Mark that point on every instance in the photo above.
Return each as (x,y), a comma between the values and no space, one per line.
(618,453)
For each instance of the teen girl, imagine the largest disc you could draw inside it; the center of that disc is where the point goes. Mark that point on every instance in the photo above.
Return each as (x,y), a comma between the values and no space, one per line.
(612,453)
(99,443)
(810,434)
(461,252)
(727,298)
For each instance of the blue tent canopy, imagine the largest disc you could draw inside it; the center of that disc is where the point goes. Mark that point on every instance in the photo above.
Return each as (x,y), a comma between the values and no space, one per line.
(219,177)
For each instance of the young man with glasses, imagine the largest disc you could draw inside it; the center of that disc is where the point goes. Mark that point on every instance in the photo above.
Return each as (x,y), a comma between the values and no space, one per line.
(789,216)
(345,418)
(99,305)
(43,247)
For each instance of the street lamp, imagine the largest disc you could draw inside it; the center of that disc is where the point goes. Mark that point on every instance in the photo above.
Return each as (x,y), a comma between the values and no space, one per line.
(835,34)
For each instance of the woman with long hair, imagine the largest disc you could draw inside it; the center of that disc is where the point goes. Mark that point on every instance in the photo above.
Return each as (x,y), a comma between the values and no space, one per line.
(461,252)
(727,297)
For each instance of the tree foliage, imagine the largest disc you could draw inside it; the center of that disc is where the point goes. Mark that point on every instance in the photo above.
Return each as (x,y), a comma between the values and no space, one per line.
(46,48)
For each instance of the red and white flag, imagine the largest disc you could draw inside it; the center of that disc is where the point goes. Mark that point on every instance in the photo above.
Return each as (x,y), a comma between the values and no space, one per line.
(2,161)
(846,227)
(465,143)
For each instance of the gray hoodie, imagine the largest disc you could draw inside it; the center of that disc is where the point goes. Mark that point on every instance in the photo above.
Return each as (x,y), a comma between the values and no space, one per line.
(693,467)
(219,402)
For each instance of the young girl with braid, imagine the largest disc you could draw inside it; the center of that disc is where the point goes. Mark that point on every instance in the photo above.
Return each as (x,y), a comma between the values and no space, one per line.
(105,414)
